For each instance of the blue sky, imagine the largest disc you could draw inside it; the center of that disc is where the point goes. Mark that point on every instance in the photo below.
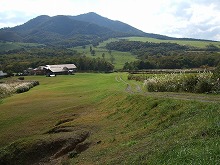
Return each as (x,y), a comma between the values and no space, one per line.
(177,18)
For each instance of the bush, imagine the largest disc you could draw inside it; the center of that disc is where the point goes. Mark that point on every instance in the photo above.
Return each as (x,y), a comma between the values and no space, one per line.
(20,78)
(27,86)
(204,87)
(22,89)
(189,83)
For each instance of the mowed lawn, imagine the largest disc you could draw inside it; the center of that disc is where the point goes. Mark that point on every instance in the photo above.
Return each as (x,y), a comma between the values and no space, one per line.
(55,98)
(125,127)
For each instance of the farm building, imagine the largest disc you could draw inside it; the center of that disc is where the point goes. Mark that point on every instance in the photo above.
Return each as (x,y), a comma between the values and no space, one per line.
(59,69)
(2,74)
(39,70)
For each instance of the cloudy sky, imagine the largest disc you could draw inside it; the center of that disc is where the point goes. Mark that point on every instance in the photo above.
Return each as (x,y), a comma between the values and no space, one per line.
(178,18)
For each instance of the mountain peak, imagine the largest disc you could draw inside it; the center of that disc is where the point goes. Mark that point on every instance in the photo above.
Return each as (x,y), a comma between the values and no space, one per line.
(89,13)
(95,18)
(92,13)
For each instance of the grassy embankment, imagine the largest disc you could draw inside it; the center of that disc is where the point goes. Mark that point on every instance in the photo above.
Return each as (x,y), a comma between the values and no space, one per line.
(125,128)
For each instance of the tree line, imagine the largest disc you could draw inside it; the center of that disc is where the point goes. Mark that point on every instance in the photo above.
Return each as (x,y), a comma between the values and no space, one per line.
(146,48)
(180,61)
(20,60)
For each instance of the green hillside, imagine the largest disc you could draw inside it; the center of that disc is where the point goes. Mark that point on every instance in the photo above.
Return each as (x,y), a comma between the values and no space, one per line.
(200,44)
(120,58)
(6,46)
(99,119)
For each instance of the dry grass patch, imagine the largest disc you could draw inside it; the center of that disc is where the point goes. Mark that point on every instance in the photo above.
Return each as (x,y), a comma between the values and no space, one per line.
(16,86)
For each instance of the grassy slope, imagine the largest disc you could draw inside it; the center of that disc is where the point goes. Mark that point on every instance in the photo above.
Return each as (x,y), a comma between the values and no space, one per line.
(200,44)
(130,128)
(6,46)
(120,57)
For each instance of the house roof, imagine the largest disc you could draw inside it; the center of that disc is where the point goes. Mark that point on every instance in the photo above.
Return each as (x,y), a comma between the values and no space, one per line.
(55,70)
(68,66)
(60,68)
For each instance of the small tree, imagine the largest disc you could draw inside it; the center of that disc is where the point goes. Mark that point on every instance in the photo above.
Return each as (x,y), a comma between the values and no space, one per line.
(112,59)
(216,73)
(103,55)
(93,52)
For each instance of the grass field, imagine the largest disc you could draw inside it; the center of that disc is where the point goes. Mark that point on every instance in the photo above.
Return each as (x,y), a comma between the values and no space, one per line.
(125,126)
(200,44)
(6,46)
(120,57)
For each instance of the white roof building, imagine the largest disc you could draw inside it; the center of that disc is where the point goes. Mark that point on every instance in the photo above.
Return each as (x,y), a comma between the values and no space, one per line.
(60,68)
(2,74)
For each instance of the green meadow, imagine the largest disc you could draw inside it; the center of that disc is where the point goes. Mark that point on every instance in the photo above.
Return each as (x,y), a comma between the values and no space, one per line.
(199,44)
(120,58)
(126,124)
(6,46)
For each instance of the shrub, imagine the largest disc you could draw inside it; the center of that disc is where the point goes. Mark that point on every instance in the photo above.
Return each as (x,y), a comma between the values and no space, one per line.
(203,86)
(189,83)
(22,89)
(26,86)
(20,78)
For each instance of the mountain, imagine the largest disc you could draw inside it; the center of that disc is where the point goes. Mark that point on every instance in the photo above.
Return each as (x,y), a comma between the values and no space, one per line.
(116,25)
(69,31)
(108,23)
(60,30)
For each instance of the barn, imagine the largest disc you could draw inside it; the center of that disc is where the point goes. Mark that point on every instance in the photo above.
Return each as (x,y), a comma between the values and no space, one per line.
(61,69)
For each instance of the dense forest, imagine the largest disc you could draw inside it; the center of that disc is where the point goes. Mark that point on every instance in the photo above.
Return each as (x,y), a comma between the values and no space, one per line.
(166,55)
(149,48)
(180,61)
(20,60)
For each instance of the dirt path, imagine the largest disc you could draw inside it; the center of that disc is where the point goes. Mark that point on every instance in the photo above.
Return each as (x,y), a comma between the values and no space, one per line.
(130,87)
(134,88)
